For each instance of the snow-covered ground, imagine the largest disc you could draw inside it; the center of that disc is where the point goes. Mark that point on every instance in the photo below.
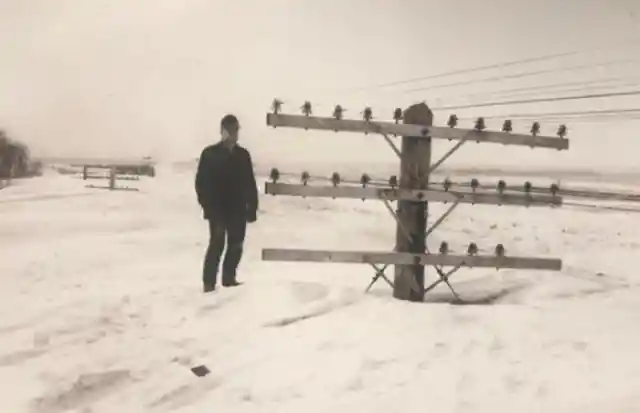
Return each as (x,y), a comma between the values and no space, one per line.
(101,310)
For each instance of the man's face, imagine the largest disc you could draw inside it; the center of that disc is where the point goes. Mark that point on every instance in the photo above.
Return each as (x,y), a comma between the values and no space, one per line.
(230,135)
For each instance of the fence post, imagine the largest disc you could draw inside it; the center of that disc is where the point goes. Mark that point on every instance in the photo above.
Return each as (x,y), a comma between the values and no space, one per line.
(112,178)
(414,174)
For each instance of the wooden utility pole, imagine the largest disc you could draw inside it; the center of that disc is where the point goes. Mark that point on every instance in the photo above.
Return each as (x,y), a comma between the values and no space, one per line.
(112,178)
(412,193)
(412,216)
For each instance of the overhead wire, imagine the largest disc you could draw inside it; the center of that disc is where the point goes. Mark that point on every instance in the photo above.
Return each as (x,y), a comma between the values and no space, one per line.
(575,116)
(612,82)
(601,207)
(474,69)
(567,118)
(565,113)
(511,63)
(540,100)
(574,120)
(581,121)
(520,75)
(574,89)
(586,85)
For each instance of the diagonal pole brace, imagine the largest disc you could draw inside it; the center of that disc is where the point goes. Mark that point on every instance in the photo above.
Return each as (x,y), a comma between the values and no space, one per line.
(438,269)
(393,146)
(449,153)
(444,278)
(379,274)
(442,218)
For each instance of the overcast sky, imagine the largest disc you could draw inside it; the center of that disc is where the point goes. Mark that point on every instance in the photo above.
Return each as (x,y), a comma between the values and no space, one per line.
(153,77)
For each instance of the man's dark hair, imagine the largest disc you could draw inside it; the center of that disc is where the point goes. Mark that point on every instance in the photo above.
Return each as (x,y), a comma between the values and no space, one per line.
(229,121)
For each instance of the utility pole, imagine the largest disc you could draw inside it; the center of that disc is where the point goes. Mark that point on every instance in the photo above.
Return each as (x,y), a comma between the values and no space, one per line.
(413,194)
(411,229)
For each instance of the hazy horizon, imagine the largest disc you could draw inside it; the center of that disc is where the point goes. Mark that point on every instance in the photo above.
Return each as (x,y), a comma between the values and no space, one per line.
(130,79)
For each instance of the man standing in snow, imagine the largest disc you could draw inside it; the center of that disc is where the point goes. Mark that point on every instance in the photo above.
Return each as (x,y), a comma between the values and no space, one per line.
(227,192)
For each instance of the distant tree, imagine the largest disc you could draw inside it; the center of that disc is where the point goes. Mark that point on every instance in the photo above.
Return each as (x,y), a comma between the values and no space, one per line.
(4,140)
(4,155)
(14,158)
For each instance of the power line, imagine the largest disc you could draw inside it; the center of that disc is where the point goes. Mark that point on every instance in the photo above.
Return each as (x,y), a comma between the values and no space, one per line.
(603,207)
(576,89)
(491,66)
(475,69)
(532,100)
(575,120)
(568,118)
(592,84)
(519,75)
(541,100)
(569,113)
(578,120)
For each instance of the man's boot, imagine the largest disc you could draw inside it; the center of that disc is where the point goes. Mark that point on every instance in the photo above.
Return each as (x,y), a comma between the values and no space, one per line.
(229,280)
(209,287)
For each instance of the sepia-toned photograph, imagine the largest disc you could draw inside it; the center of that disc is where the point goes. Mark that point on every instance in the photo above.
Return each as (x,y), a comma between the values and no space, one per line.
(297,206)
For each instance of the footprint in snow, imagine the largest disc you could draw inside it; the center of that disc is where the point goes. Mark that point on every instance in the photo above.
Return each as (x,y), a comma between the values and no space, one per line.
(306,292)
(86,390)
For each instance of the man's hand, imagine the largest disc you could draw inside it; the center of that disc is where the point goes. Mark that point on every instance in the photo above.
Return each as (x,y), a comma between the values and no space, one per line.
(252,217)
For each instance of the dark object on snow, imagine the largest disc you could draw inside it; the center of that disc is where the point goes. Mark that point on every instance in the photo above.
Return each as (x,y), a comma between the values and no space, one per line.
(200,371)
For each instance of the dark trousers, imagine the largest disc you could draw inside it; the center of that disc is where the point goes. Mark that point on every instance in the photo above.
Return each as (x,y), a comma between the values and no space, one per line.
(232,231)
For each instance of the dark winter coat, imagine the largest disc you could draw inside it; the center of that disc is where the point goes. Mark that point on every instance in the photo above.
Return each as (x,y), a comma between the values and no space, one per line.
(226,183)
